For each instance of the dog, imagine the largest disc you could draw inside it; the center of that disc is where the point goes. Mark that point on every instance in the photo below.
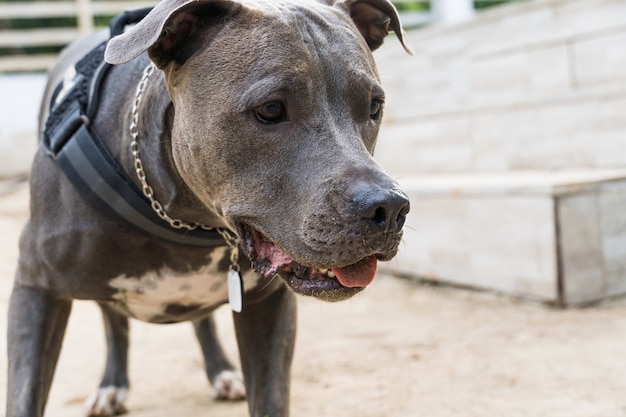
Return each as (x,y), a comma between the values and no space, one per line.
(252,122)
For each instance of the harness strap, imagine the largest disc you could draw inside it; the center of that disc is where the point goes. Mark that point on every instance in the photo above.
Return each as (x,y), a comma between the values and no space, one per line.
(100,181)
(88,164)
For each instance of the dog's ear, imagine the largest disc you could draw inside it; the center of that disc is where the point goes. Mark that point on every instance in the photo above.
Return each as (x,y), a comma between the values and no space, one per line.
(170,31)
(374,19)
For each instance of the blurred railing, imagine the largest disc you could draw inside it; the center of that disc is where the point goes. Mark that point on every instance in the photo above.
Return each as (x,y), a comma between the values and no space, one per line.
(26,45)
(34,48)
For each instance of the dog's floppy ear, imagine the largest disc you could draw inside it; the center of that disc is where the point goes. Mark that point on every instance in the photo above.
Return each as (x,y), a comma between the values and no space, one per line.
(374,19)
(168,31)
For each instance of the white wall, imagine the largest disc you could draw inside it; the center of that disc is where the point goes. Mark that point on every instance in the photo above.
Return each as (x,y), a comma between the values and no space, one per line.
(20,96)
(532,85)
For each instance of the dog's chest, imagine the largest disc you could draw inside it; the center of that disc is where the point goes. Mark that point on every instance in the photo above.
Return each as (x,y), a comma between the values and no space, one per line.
(166,295)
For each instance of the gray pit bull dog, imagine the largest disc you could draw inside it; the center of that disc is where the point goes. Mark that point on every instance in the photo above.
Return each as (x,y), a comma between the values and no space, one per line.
(259,120)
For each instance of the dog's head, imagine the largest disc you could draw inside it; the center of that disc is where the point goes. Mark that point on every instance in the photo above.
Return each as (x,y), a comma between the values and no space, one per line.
(277,109)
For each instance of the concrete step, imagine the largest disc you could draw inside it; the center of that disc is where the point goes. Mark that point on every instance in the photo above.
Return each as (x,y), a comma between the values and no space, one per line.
(552,236)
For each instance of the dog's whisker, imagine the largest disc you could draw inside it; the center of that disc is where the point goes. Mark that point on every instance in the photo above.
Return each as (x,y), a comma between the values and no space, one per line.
(269,281)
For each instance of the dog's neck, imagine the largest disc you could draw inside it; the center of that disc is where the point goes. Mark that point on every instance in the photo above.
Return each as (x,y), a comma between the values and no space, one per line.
(155,120)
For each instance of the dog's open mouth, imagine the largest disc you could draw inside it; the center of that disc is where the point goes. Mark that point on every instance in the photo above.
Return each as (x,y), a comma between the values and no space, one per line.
(330,282)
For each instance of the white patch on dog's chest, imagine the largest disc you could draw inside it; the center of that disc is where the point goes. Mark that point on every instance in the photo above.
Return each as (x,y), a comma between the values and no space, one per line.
(148,297)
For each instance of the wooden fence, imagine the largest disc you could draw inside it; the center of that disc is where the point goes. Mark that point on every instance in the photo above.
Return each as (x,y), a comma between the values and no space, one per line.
(83,10)
(25,44)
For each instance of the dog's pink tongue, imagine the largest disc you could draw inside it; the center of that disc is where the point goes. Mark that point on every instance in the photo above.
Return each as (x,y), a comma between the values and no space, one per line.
(359,274)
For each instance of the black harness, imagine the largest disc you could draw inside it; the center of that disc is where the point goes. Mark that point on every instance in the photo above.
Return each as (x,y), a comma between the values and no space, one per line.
(88,164)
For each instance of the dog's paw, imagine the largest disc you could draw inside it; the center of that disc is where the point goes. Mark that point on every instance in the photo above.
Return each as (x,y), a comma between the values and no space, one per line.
(229,386)
(106,401)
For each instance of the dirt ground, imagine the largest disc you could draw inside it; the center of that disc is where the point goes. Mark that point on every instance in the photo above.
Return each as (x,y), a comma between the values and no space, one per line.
(398,349)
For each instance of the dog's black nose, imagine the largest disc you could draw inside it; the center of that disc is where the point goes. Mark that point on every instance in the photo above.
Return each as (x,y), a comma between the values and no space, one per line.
(386,208)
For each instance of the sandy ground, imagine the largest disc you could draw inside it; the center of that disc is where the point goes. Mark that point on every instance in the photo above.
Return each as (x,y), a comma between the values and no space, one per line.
(398,349)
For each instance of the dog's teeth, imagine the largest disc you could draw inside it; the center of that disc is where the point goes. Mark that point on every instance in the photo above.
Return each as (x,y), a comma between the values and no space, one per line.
(323,270)
(331,274)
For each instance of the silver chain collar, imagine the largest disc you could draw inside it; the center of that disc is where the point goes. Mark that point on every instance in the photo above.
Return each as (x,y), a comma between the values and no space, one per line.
(231,239)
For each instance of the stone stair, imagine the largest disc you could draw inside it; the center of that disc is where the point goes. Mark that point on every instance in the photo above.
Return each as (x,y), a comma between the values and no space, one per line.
(509,134)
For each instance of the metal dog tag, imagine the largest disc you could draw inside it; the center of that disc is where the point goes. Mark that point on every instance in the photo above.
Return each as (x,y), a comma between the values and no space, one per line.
(235,291)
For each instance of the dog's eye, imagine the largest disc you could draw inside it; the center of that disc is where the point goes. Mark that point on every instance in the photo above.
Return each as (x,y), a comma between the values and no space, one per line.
(376,109)
(271,112)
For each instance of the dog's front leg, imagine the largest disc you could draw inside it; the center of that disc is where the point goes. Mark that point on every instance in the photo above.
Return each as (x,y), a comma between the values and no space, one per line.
(266,330)
(37,322)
